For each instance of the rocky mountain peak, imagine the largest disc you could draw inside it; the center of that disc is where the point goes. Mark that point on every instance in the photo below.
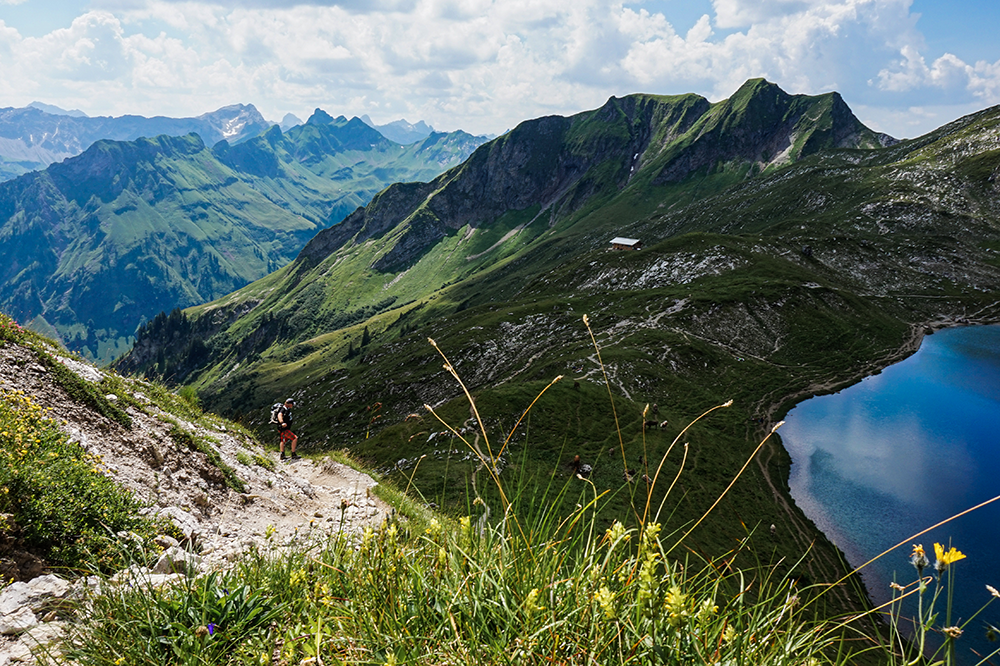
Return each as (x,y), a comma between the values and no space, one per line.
(401,131)
(236,121)
(321,117)
(289,121)
(553,162)
(758,87)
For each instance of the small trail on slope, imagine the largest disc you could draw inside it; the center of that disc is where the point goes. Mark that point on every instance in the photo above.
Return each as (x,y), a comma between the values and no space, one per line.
(282,502)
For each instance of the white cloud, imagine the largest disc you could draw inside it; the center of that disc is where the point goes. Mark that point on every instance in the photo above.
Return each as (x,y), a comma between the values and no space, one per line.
(948,74)
(482,65)
(742,14)
(913,121)
(91,49)
(9,37)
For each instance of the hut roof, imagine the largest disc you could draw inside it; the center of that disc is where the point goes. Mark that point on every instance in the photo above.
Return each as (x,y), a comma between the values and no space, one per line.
(624,241)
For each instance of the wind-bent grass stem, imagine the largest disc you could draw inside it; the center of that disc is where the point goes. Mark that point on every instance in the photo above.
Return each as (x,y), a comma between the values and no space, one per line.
(910,539)
(525,413)
(680,470)
(409,480)
(607,383)
(451,369)
(731,483)
(649,495)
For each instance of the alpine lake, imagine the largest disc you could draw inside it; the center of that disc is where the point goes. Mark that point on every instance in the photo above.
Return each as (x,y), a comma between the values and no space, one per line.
(901,451)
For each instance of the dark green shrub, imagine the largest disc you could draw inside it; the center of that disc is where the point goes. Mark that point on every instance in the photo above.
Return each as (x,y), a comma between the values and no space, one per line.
(83,391)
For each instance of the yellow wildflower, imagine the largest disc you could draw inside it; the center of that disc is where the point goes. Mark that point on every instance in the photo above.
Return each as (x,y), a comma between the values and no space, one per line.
(606,599)
(531,604)
(953,555)
(676,606)
(944,558)
(615,532)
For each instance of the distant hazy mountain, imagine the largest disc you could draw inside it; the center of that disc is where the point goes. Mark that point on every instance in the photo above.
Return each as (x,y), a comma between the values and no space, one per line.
(289,121)
(401,131)
(56,111)
(32,138)
(97,244)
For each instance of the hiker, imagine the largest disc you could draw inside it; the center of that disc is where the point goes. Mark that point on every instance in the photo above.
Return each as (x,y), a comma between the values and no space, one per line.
(285,428)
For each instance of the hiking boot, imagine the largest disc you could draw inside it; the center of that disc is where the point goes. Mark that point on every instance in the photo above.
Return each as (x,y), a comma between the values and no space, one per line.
(282,456)
(295,456)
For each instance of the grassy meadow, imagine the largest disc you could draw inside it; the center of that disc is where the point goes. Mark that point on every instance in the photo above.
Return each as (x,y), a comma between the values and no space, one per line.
(526,568)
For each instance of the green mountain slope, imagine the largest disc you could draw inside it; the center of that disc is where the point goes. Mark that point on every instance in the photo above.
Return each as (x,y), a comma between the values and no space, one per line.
(563,166)
(788,251)
(546,180)
(96,245)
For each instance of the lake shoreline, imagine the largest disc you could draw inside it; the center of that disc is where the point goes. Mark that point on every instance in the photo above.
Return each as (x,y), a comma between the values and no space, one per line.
(774,460)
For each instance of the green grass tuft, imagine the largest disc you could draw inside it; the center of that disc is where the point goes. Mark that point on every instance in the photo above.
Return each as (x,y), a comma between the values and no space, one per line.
(188,440)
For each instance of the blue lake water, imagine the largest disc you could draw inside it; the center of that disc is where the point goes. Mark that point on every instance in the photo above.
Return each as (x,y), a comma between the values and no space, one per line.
(902,450)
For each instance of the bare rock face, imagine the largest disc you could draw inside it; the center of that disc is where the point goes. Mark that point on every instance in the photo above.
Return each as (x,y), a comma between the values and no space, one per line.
(26,606)
(18,621)
(42,638)
(206,470)
(177,560)
(39,594)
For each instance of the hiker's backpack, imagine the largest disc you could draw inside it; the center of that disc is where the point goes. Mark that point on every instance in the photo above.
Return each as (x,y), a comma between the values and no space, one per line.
(274,412)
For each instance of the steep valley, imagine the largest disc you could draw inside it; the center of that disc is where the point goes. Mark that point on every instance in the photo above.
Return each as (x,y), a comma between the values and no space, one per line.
(97,245)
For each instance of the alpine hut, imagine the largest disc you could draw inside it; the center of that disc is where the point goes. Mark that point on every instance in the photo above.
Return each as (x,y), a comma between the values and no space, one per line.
(620,243)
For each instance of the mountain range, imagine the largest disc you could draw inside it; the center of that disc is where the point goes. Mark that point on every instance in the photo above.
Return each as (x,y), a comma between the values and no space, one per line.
(400,130)
(547,179)
(787,250)
(34,137)
(95,245)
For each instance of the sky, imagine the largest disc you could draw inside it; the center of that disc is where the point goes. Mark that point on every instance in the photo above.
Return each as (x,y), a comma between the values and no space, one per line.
(905,67)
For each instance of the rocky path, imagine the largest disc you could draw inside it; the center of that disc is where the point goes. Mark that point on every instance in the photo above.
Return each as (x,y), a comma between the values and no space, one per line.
(283,501)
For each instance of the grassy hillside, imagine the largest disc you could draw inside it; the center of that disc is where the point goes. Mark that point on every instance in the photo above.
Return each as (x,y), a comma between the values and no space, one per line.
(766,276)
(516,577)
